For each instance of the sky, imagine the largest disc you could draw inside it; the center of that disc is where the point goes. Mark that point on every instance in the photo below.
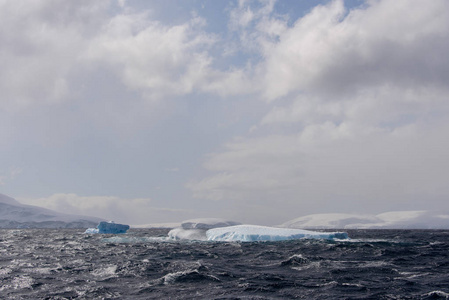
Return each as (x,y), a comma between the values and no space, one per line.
(254,111)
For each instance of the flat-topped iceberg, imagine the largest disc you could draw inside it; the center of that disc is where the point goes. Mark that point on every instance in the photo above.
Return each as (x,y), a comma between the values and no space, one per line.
(180,233)
(195,229)
(252,233)
(212,229)
(207,223)
(108,227)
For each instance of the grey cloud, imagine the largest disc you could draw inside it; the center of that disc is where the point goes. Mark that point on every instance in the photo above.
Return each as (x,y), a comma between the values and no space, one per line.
(332,53)
(51,49)
(131,211)
(358,100)
(41,42)
(363,121)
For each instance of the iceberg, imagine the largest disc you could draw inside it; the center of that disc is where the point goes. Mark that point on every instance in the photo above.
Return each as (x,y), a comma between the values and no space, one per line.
(92,230)
(212,229)
(187,234)
(207,223)
(108,227)
(252,233)
(195,229)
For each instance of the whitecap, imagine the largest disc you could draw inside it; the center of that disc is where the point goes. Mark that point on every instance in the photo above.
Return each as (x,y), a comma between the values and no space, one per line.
(135,240)
(19,282)
(106,272)
(437,295)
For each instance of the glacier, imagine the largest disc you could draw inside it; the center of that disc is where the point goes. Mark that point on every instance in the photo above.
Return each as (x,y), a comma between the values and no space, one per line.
(252,233)
(108,227)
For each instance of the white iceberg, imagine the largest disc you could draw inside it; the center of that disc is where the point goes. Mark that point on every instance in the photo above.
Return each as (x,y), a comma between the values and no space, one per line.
(195,229)
(252,233)
(207,223)
(187,234)
(92,230)
(108,227)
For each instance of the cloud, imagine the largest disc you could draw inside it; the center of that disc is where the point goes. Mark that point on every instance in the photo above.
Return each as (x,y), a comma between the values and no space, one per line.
(159,60)
(41,44)
(52,49)
(359,117)
(378,106)
(355,110)
(335,52)
(131,211)
(11,174)
(253,23)
(333,168)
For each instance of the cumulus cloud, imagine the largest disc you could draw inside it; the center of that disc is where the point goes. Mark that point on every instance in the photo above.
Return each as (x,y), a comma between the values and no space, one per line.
(41,43)
(152,57)
(356,99)
(359,117)
(253,23)
(334,52)
(50,49)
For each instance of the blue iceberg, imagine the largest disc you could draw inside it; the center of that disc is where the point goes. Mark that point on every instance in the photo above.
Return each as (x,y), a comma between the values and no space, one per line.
(108,227)
(252,233)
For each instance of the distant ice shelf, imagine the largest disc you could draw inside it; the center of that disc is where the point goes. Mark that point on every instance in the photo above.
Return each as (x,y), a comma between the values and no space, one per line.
(108,227)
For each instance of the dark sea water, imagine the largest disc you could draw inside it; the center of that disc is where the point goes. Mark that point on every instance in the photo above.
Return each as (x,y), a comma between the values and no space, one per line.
(142,264)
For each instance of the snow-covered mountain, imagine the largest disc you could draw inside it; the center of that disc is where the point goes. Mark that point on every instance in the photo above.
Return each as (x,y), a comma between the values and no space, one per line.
(388,220)
(14,214)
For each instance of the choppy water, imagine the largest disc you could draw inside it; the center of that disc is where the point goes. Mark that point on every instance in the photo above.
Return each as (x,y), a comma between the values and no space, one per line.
(375,264)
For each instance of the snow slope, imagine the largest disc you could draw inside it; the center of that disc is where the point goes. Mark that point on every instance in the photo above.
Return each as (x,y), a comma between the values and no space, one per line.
(13,214)
(388,220)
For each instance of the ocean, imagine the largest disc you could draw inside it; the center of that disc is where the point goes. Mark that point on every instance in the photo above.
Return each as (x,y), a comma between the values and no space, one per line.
(144,264)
